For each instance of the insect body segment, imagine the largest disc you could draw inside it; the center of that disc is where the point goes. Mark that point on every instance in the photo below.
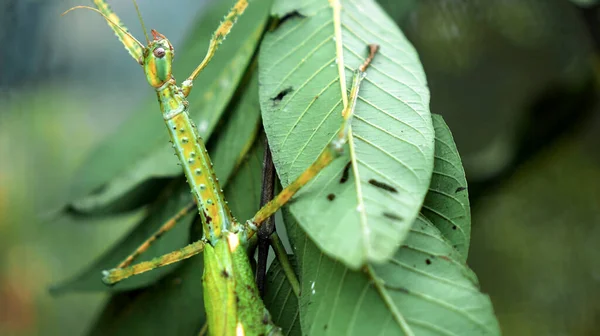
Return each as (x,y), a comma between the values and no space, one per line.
(232,303)
(215,214)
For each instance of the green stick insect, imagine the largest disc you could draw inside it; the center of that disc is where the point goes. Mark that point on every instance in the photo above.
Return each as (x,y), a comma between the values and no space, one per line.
(231,298)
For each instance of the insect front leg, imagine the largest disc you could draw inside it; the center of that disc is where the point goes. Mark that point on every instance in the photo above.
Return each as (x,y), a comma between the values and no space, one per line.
(218,37)
(168,225)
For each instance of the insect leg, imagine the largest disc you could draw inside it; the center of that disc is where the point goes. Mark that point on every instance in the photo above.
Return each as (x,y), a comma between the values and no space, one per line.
(168,225)
(115,275)
(134,47)
(218,37)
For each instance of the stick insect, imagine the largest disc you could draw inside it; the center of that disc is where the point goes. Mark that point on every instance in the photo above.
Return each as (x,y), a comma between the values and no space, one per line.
(231,298)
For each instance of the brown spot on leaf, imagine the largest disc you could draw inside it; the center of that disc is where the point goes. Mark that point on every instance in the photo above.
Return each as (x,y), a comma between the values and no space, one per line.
(331,197)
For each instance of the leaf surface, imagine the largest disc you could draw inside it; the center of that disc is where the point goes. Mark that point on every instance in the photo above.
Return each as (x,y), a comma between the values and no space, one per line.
(447,202)
(360,208)
(281,301)
(424,289)
(173,306)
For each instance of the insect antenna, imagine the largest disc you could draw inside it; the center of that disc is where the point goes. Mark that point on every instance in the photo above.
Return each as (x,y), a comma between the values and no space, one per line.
(137,9)
(107,19)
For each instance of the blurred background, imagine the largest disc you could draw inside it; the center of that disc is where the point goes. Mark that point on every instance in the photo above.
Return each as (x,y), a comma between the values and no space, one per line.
(516,80)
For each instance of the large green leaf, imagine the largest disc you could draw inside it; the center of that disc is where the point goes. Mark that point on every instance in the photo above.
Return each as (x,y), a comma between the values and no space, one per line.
(243,192)
(228,149)
(424,289)
(235,138)
(361,207)
(169,203)
(281,300)
(140,148)
(447,202)
(172,306)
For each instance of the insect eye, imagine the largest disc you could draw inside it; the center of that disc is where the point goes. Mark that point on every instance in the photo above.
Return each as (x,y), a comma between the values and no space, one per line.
(159,52)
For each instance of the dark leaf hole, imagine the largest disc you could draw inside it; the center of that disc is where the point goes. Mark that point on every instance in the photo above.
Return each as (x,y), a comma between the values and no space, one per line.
(382,185)
(392,216)
(345,173)
(288,16)
(282,94)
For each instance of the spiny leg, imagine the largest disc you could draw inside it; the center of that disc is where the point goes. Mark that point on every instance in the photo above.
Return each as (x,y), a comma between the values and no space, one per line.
(330,152)
(115,275)
(133,46)
(218,37)
(168,225)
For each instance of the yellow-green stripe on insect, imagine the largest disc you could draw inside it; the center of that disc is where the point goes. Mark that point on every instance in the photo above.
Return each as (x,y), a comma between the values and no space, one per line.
(233,305)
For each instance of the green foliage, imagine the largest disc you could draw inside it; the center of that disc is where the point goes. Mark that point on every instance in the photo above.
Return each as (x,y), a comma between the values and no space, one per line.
(447,201)
(424,289)
(380,238)
(172,306)
(281,300)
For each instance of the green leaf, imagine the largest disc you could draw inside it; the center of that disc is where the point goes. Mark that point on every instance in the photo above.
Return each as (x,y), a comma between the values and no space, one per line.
(140,148)
(243,193)
(358,212)
(281,301)
(425,289)
(230,146)
(447,202)
(398,10)
(102,201)
(173,306)
(169,203)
